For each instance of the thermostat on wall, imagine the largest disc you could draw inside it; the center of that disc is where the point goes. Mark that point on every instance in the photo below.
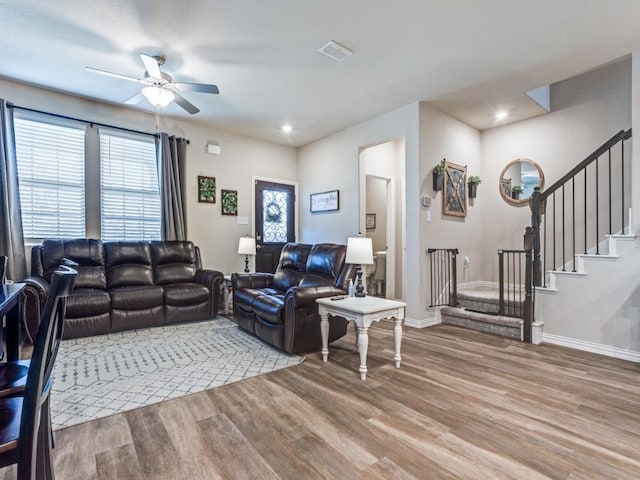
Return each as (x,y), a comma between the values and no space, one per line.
(426,201)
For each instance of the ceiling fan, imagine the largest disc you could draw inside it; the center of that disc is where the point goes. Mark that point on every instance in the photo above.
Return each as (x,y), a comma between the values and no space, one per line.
(160,89)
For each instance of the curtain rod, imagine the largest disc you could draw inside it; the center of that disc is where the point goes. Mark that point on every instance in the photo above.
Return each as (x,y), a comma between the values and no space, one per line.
(89,122)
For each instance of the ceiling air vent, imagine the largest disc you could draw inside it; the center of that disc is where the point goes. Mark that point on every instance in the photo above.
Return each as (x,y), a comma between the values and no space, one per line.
(335,51)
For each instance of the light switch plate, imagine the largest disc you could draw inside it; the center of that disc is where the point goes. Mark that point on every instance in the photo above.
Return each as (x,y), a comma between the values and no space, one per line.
(243,220)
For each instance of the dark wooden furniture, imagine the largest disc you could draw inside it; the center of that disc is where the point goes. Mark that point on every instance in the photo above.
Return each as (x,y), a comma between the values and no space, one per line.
(10,308)
(25,423)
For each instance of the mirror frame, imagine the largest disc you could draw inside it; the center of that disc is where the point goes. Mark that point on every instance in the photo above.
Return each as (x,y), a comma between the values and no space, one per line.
(520,201)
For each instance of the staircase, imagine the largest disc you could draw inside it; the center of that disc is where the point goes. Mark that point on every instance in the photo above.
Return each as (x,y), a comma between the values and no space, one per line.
(581,276)
(479,306)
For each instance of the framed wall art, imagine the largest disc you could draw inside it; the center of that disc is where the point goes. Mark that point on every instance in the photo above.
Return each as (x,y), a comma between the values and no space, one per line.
(229,202)
(207,189)
(370,221)
(455,190)
(325,201)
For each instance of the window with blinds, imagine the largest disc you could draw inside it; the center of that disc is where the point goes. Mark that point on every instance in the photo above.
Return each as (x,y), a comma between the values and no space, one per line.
(129,189)
(51,179)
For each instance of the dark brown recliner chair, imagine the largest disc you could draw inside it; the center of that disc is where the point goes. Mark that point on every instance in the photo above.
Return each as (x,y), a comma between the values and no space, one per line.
(281,308)
(123,285)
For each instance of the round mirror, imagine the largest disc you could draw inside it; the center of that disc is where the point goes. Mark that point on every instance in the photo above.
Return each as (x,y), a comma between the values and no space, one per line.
(518,180)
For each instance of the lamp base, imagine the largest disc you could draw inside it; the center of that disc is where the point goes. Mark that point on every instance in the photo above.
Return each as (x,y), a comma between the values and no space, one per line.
(359,291)
(246,264)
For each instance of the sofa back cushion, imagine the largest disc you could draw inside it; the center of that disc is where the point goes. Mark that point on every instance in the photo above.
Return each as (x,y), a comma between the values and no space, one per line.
(324,265)
(291,267)
(173,262)
(88,253)
(128,263)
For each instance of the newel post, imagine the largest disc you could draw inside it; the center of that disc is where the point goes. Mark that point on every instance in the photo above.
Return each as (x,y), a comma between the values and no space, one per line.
(529,242)
(536,204)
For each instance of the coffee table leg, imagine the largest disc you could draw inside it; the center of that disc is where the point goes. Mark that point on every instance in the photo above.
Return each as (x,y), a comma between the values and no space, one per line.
(355,326)
(363,345)
(397,335)
(324,333)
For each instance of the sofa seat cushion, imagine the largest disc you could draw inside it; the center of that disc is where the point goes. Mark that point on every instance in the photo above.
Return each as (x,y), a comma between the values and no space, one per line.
(184,294)
(270,308)
(136,298)
(88,302)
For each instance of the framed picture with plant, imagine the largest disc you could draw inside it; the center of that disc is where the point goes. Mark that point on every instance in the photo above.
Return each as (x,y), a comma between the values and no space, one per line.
(229,202)
(455,190)
(207,189)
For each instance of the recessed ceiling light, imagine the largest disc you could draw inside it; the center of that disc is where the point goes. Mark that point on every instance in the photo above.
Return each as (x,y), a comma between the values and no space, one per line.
(286,128)
(501,115)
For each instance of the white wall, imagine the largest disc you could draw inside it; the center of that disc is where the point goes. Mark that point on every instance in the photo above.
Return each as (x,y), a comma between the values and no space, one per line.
(241,157)
(333,163)
(586,111)
(442,136)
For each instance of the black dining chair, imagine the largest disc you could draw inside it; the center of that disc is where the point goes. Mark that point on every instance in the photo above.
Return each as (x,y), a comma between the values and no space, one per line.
(25,422)
(3,279)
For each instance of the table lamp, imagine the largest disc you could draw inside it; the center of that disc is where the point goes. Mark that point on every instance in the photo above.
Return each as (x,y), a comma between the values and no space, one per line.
(246,247)
(359,252)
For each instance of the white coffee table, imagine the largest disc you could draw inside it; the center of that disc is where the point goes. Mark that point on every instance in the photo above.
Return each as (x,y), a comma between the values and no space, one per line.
(362,311)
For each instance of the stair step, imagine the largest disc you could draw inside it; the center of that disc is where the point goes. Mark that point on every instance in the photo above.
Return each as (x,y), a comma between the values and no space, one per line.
(501,325)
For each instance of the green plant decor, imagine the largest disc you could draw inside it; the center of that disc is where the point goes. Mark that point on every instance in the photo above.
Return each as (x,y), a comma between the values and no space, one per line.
(207,189)
(517,189)
(440,168)
(474,180)
(229,201)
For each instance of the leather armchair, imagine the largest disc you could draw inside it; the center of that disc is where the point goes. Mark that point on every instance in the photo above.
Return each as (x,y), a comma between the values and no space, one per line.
(281,308)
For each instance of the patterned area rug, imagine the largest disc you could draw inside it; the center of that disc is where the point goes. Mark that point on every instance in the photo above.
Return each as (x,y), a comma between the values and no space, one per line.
(98,376)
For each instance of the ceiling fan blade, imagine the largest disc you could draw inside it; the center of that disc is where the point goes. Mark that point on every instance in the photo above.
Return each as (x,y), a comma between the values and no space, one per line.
(188,106)
(137,98)
(151,64)
(197,87)
(116,75)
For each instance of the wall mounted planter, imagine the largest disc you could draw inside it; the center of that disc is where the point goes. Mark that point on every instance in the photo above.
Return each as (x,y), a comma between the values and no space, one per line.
(438,181)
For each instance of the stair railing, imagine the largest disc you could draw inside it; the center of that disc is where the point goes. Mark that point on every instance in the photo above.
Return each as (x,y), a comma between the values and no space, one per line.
(576,213)
(443,276)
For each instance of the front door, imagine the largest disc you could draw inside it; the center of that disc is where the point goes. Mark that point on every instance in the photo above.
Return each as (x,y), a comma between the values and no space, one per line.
(275,222)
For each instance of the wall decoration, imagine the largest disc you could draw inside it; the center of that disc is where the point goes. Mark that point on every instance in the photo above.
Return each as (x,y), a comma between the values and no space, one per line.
(207,189)
(229,202)
(325,201)
(455,191)
(370,221)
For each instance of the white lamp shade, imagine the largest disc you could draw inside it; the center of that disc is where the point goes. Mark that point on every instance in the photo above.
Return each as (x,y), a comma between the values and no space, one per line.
(247,246)
(359,251)
(158,97)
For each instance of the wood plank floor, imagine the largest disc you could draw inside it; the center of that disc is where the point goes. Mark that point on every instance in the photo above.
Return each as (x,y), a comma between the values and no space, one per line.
(463,405)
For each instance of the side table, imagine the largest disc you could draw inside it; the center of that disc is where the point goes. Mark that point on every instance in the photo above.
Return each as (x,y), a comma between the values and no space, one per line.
(227,295)
(363,311)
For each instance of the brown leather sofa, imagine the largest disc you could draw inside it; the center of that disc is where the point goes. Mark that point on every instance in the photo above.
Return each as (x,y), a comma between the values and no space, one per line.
(280,308)
(123,285)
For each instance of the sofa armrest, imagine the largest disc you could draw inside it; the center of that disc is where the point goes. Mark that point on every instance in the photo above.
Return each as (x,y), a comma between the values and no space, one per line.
(34,297)
(297,297)
(251,280)
(212,279)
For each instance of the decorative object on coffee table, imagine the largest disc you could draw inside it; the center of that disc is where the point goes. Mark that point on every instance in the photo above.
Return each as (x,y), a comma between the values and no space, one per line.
(359,252)
(246,247)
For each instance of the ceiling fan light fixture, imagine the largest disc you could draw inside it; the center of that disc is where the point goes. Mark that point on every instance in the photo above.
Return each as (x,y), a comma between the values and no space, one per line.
(157,96)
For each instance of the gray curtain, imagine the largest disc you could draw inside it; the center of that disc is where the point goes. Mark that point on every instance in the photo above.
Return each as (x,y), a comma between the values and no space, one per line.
(11,237)
(172,156)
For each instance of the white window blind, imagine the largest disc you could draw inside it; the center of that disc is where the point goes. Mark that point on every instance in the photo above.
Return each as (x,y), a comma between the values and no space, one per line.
(51,179)
(129,190)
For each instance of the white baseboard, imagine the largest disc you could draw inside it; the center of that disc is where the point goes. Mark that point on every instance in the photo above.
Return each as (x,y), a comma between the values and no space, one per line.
(422,323)
(606,350)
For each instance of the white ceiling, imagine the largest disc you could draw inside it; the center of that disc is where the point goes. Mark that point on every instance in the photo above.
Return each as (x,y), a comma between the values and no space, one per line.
(470,57)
